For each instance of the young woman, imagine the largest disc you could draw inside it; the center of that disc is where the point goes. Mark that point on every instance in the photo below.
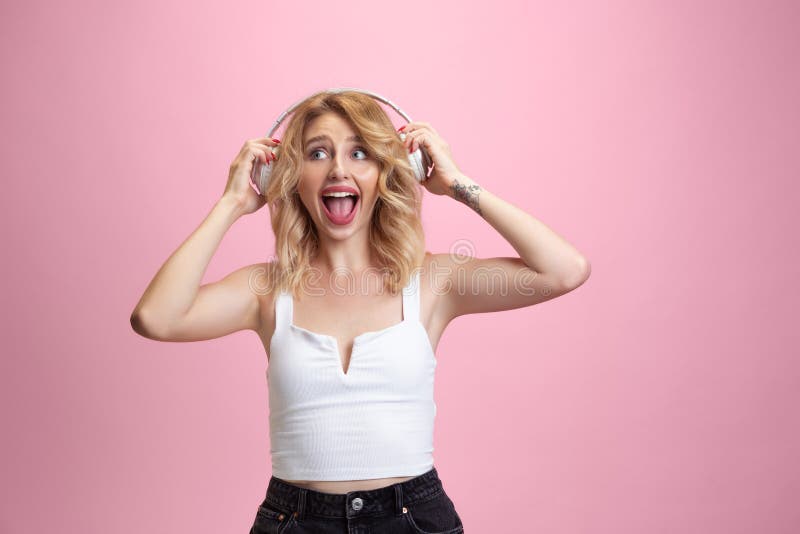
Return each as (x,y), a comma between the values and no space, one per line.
(351,310)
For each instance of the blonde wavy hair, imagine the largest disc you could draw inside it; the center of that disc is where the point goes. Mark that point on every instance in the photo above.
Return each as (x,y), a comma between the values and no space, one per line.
(395,232)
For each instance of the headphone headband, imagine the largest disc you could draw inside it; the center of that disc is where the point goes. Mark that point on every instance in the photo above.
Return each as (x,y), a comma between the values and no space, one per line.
(383,99)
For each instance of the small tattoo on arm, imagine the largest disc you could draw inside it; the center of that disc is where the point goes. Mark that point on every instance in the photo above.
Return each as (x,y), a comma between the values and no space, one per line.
(468,194)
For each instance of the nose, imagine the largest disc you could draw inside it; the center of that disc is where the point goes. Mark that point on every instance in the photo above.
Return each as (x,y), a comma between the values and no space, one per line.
(339,166)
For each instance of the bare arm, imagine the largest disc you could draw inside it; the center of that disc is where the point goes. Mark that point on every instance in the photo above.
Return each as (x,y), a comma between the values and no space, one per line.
(548,266)
(167,302)
(175,307)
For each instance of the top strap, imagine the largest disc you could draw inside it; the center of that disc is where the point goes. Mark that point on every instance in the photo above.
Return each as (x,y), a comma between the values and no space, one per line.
(411,298)
(283,310)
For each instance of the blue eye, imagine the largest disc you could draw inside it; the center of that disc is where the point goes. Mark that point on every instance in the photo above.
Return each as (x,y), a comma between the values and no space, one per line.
(311,154)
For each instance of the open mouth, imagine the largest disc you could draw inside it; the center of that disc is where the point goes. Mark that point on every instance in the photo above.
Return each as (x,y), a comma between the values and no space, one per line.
(340,206)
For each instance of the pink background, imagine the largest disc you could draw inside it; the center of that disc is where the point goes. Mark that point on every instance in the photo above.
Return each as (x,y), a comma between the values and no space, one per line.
(660,138)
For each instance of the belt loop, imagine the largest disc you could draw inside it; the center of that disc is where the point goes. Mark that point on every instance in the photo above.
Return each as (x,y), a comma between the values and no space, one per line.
(398,498)
(301,504)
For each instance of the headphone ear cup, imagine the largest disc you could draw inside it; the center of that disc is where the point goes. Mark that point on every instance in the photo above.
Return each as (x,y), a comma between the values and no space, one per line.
(415,160)
(261,173)
(419,161)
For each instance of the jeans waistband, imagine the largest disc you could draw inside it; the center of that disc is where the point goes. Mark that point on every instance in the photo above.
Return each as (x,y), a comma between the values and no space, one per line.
(382,501)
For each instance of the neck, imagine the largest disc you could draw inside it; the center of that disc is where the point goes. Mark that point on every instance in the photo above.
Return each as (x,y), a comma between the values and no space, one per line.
(350,256)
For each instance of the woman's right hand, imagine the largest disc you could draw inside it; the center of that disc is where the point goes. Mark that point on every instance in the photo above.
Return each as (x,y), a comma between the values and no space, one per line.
(238,187)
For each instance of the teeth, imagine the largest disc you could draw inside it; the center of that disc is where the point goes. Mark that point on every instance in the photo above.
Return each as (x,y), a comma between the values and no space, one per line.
(338,194)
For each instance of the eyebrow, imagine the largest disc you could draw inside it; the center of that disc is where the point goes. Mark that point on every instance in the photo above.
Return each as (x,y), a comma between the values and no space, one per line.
(323,137)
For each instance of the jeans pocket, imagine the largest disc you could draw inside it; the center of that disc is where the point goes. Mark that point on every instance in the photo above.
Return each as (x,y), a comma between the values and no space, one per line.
(270,520)
(434,516)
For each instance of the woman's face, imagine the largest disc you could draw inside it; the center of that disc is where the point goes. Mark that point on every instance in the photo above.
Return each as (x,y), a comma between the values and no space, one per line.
(338,179)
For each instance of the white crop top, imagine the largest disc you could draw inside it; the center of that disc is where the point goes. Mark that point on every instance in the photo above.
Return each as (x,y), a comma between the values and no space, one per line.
(375,421)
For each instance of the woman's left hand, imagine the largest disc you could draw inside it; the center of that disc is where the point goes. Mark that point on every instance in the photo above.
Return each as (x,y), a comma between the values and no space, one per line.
(445,171)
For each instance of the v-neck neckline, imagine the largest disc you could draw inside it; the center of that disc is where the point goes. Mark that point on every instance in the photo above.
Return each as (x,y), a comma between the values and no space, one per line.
(333,341)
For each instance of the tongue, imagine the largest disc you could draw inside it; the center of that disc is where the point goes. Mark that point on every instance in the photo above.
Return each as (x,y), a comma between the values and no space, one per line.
(340,206)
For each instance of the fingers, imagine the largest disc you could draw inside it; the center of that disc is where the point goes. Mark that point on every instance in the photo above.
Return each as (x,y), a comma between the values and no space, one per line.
(265,156)
(261,143)
(268,141)
(249,154)
(415,125)
(261,148)
(417,140)
(269,155)
(417,137)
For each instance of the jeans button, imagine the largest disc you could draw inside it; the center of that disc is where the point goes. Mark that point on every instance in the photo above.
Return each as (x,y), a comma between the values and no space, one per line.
(357,503)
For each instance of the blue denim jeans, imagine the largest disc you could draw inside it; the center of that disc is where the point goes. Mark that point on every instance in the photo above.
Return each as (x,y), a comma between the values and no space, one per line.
(416,506)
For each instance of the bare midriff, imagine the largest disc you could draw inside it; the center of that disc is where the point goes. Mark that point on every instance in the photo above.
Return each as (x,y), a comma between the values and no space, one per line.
(345,486)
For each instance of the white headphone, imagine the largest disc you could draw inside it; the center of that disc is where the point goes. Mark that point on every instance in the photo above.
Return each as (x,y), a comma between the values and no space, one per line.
(419,159)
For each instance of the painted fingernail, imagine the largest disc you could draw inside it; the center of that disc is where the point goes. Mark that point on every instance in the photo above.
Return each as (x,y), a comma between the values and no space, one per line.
(401,128)
(276,140)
